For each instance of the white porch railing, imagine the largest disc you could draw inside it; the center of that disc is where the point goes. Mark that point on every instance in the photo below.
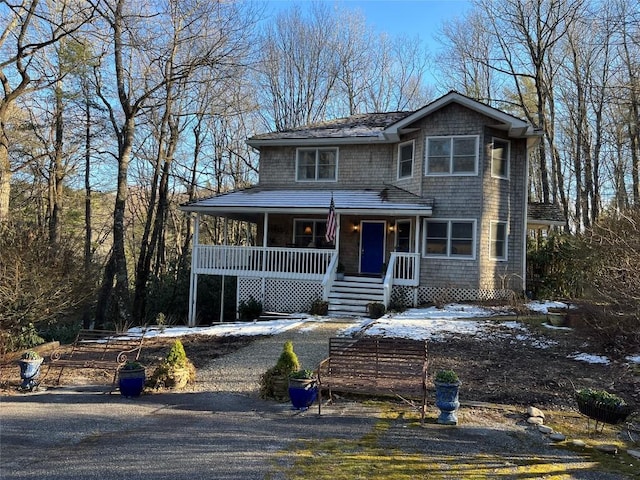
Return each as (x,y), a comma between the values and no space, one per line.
(297,263)
(403,269)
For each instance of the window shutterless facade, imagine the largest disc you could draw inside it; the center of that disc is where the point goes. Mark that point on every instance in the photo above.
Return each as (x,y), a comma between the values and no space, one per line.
(452,155)
(317,164)
(449,238)
(498,240)
(405,159)
(500,152)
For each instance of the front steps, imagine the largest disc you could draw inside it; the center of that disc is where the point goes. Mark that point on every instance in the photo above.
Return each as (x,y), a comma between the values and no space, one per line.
(349,297)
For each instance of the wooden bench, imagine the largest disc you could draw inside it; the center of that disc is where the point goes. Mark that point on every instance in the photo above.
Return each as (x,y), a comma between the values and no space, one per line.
(376,366)
(103,349)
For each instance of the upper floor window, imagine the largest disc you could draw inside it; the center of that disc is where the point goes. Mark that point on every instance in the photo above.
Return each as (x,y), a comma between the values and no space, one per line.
(500,158)
(449,238)
(452,155)
(405,159)
(498,241)
(317,165)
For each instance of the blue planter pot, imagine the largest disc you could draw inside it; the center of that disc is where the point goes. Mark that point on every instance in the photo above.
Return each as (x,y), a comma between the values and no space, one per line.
(29,373)
(302,392)
(447,402)
(131,382)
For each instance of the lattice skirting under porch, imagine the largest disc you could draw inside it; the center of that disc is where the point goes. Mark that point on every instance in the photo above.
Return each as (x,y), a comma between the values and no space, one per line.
(404,296)
(286,296)
(445,295)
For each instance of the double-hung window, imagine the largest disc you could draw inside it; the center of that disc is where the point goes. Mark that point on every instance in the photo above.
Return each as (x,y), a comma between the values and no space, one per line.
(309,233)
(449,238)
(405,159)
(498,240)
(500,158)
(317,164)
(452,155)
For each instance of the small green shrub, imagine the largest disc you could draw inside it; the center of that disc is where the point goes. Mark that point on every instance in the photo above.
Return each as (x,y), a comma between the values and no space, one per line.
(600,396)
(177,357)
(25,337)
(249,310)
(273,382)
(171,372)
(447,376)
(132,365)
(30,355)
(303,374)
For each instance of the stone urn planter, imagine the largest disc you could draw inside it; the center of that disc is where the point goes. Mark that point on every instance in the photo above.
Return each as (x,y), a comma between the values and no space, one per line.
(131,379)
(30,363)
(447,387)
(303,389)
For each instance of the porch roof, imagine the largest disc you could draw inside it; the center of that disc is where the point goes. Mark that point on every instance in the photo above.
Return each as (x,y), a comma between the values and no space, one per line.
(250,203)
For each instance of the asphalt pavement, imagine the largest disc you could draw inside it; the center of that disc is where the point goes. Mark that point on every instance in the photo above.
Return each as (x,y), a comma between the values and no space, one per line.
(87,433)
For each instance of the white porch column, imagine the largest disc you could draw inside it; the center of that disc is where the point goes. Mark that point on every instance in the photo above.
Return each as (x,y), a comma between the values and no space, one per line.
(417,250)
(193,280)
(265,236)
(226,241)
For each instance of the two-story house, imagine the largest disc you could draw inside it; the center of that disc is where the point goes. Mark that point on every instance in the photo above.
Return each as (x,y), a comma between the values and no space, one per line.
(429,205)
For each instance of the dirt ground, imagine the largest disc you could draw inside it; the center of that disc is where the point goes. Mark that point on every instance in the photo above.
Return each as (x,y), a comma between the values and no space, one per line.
(504,368)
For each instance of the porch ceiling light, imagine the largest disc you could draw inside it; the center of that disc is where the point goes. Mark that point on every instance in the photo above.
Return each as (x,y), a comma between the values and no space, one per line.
(355,227)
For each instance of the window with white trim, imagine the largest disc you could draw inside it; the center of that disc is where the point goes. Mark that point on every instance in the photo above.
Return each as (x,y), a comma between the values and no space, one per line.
(452,155)
(498,240)
(309,233)
(317,164)
(500,151)
(405,159)
(449,238)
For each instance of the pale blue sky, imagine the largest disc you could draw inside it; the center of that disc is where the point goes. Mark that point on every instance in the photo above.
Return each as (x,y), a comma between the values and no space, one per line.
(413,17)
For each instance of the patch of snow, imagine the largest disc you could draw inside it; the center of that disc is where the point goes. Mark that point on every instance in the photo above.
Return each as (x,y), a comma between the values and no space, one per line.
(434,324)
(268,327)
(544,306)
(589,358)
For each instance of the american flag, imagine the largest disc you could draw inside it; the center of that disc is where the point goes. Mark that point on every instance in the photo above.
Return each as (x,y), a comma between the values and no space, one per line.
(330,236)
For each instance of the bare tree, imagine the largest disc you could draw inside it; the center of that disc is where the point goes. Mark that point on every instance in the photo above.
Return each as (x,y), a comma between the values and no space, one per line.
(30,29)
(329,63)
(465,63)
(147,60)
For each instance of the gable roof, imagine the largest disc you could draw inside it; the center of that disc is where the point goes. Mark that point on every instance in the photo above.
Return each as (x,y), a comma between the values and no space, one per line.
(386,127)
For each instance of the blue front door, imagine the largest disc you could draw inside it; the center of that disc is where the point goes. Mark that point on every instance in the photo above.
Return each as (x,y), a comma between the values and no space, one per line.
(372,250)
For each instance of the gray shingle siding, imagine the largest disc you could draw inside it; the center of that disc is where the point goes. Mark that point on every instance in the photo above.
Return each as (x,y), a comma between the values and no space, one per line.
(481,197)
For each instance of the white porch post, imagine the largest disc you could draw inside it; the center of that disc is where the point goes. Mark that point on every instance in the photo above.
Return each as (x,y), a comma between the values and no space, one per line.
(417,250)
(226,241)
(265,236)
(193,280)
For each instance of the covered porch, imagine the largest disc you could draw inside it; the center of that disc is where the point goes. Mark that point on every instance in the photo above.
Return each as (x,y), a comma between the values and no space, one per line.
(288,254)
